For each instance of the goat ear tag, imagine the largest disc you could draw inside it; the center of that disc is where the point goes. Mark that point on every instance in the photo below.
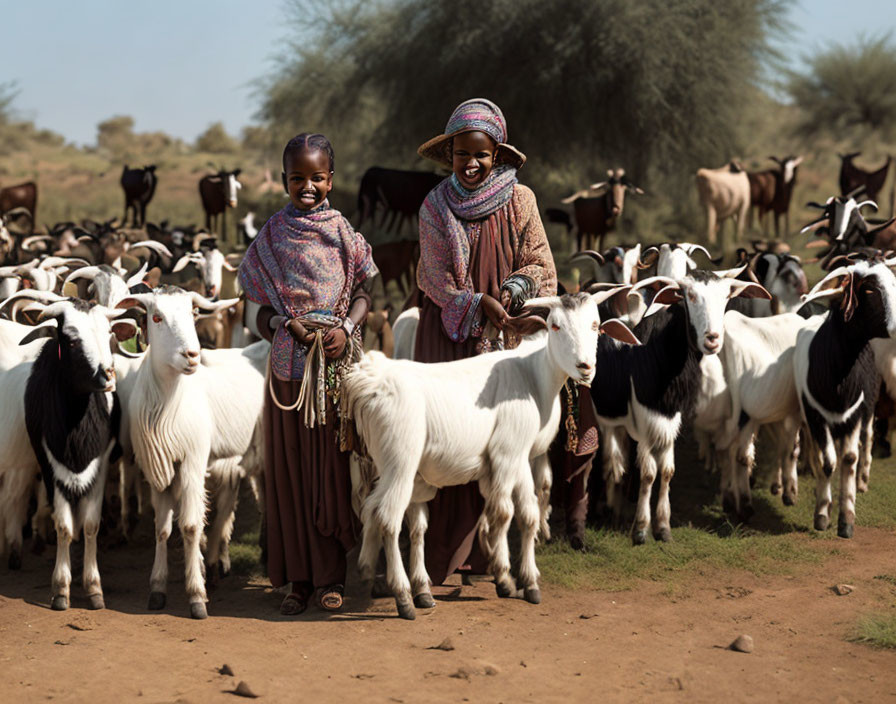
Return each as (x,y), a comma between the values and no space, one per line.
(619,331)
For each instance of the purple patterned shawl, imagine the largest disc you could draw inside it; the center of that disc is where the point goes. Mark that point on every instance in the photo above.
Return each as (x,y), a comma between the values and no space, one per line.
(303,261)
(444,270)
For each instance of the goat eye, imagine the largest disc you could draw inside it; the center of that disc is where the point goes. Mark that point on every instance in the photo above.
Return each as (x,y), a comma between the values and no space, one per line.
(555,327)
(157,318)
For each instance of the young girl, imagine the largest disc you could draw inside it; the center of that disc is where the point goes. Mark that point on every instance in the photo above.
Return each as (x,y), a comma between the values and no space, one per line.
(304,276)
(483,252)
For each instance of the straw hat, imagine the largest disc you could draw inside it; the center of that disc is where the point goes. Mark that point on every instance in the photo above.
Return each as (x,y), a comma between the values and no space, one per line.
(479,115)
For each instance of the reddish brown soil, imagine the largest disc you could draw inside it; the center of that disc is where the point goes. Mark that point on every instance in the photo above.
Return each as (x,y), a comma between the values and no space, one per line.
(638,645)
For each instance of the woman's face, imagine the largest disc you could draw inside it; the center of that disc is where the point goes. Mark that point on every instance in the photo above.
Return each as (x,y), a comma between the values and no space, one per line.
(307,177)
(472,157)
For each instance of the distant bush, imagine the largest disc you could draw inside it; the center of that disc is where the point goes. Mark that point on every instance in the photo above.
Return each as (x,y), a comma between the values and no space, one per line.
(848,88)
(215,140)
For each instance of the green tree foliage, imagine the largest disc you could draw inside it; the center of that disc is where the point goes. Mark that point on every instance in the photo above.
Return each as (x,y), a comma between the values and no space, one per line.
(215,140)
(655,85)
(848,88)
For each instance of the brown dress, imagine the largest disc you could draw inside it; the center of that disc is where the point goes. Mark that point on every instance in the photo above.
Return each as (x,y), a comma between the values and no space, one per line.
(309,520)
(508,241)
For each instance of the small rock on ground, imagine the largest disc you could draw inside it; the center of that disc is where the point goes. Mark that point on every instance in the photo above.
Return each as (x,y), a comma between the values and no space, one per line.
(444,645)
(225,670)
(742,644)
(243,690)
(843,589)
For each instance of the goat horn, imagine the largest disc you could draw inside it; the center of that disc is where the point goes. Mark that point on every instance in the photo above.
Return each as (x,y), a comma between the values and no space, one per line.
(867,202)
(587,254)
(45,297)
(137,276)
(152,245)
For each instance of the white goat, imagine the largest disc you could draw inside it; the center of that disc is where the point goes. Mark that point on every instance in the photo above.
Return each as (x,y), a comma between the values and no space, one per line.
(479,419)
(183,415)
(724,193)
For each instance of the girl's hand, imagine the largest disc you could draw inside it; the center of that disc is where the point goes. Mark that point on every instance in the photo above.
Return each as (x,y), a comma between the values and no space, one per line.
(494,311)
(334,343)
(298,332)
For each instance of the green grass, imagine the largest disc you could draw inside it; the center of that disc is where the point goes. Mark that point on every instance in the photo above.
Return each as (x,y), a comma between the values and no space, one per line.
(778,540)
(877,630)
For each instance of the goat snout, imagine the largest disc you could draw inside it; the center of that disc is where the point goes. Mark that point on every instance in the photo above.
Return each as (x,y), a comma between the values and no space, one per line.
(712,342)
(192,359)
(586,373)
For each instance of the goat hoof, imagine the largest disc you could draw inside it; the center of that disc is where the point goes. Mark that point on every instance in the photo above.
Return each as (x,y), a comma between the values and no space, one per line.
(96,602)
(424,601)
(504,590)
(821,522)
(844,530)
(224,570)
(406,610)
(664,534)
(862,485)
(59,603)
(532,595)
(466,580)
(198,610)
(788,499)
(577,543)
(775,489)
(15,560)
(639,537)
(157,600)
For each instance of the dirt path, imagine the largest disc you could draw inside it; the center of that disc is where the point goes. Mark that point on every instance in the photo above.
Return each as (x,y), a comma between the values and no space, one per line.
(575,646)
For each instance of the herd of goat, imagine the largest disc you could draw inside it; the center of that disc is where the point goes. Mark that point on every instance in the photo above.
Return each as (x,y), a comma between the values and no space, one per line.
(118,353)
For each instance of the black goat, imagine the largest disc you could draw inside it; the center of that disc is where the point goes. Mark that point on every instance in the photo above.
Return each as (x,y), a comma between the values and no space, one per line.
(838,382)
(650,391)
(72,418)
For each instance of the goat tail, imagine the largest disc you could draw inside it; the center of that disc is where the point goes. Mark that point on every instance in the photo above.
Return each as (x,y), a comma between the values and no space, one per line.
(362,382)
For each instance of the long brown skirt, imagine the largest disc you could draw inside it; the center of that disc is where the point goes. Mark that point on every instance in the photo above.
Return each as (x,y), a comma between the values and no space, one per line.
(310,522)
(453,513)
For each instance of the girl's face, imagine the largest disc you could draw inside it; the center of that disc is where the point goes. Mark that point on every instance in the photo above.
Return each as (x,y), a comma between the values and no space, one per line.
(472,157)
(307,177)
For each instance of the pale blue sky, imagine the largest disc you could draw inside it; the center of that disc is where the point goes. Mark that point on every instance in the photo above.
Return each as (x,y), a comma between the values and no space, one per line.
(179,65)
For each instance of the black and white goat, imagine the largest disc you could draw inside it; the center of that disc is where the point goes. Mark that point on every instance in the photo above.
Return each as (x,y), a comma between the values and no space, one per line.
(649,391)
(838,382)
(71,417)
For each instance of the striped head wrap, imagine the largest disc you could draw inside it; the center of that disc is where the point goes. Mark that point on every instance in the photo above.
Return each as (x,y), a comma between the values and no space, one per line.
(479,115)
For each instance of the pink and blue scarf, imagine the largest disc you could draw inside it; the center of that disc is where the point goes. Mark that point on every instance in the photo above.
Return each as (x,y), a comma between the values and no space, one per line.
(444,271)
(304,261)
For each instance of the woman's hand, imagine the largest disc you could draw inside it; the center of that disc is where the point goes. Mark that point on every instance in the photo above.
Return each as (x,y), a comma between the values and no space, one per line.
(299,333)
(334,343)
(494,311)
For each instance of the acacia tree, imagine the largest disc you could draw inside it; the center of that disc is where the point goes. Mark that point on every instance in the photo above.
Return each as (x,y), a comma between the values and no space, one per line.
(848,88)
(656,86)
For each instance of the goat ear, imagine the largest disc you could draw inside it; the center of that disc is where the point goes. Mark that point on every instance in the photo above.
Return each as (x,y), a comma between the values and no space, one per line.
(181,263)
(124,329)
(667,296)
(850,300)
(48,329)
(618,330)
(748,289)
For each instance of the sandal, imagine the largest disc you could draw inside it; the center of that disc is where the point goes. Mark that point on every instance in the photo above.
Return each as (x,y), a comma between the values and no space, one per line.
(295,602)
(330,598)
